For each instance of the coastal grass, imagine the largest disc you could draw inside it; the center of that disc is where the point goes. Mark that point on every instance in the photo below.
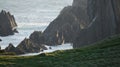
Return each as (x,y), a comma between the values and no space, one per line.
(105,53)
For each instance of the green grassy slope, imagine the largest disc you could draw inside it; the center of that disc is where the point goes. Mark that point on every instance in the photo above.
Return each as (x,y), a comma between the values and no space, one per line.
(103,54)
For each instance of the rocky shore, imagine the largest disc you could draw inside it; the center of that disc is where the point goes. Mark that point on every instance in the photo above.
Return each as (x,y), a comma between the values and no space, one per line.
(83,23)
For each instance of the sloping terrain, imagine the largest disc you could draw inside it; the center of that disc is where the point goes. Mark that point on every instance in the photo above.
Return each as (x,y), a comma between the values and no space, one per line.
(105,53)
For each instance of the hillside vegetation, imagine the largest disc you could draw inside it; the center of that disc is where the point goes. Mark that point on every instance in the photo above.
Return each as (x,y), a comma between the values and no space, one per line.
(102,54)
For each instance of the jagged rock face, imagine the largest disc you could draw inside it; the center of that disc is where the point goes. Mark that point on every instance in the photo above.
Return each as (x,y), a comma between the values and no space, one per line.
(28,46)
(11,48)
(7,24)
(67,25)
(35,43)
(102,17)
(37,37)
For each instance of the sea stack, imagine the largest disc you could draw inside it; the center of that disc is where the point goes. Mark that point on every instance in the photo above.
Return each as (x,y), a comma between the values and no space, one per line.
(7,24)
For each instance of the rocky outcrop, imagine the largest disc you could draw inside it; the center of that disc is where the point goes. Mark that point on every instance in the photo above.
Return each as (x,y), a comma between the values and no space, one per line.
(28,46)
(11,48)
(104,18)
(31,45)
(7,24)
(85,22)
(67,25)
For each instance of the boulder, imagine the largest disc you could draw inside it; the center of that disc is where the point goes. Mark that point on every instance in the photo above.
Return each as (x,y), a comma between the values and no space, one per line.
(7,24)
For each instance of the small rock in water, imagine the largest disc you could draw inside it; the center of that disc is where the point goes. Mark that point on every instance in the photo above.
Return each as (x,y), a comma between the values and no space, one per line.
(0,39)
(50,47)
(16,31)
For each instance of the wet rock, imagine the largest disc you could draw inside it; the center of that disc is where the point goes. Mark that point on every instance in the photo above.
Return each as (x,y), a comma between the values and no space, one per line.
(50,47)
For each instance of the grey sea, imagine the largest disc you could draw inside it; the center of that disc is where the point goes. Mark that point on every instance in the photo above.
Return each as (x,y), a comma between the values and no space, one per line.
(31,15)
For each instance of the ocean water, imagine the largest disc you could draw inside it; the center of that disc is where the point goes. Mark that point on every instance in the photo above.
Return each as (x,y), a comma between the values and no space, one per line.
(31,15)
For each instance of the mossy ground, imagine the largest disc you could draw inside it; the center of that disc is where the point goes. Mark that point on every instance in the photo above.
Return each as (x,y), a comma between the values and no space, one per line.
(102,54)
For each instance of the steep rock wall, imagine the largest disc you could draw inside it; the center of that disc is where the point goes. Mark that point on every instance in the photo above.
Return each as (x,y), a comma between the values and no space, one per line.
(67,25)
(102,17)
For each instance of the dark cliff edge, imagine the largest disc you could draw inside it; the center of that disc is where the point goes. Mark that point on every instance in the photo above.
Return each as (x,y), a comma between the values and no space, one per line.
(7,24)
(104,21)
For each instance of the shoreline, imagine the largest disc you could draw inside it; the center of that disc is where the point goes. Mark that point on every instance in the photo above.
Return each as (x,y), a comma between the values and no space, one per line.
(66,46)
